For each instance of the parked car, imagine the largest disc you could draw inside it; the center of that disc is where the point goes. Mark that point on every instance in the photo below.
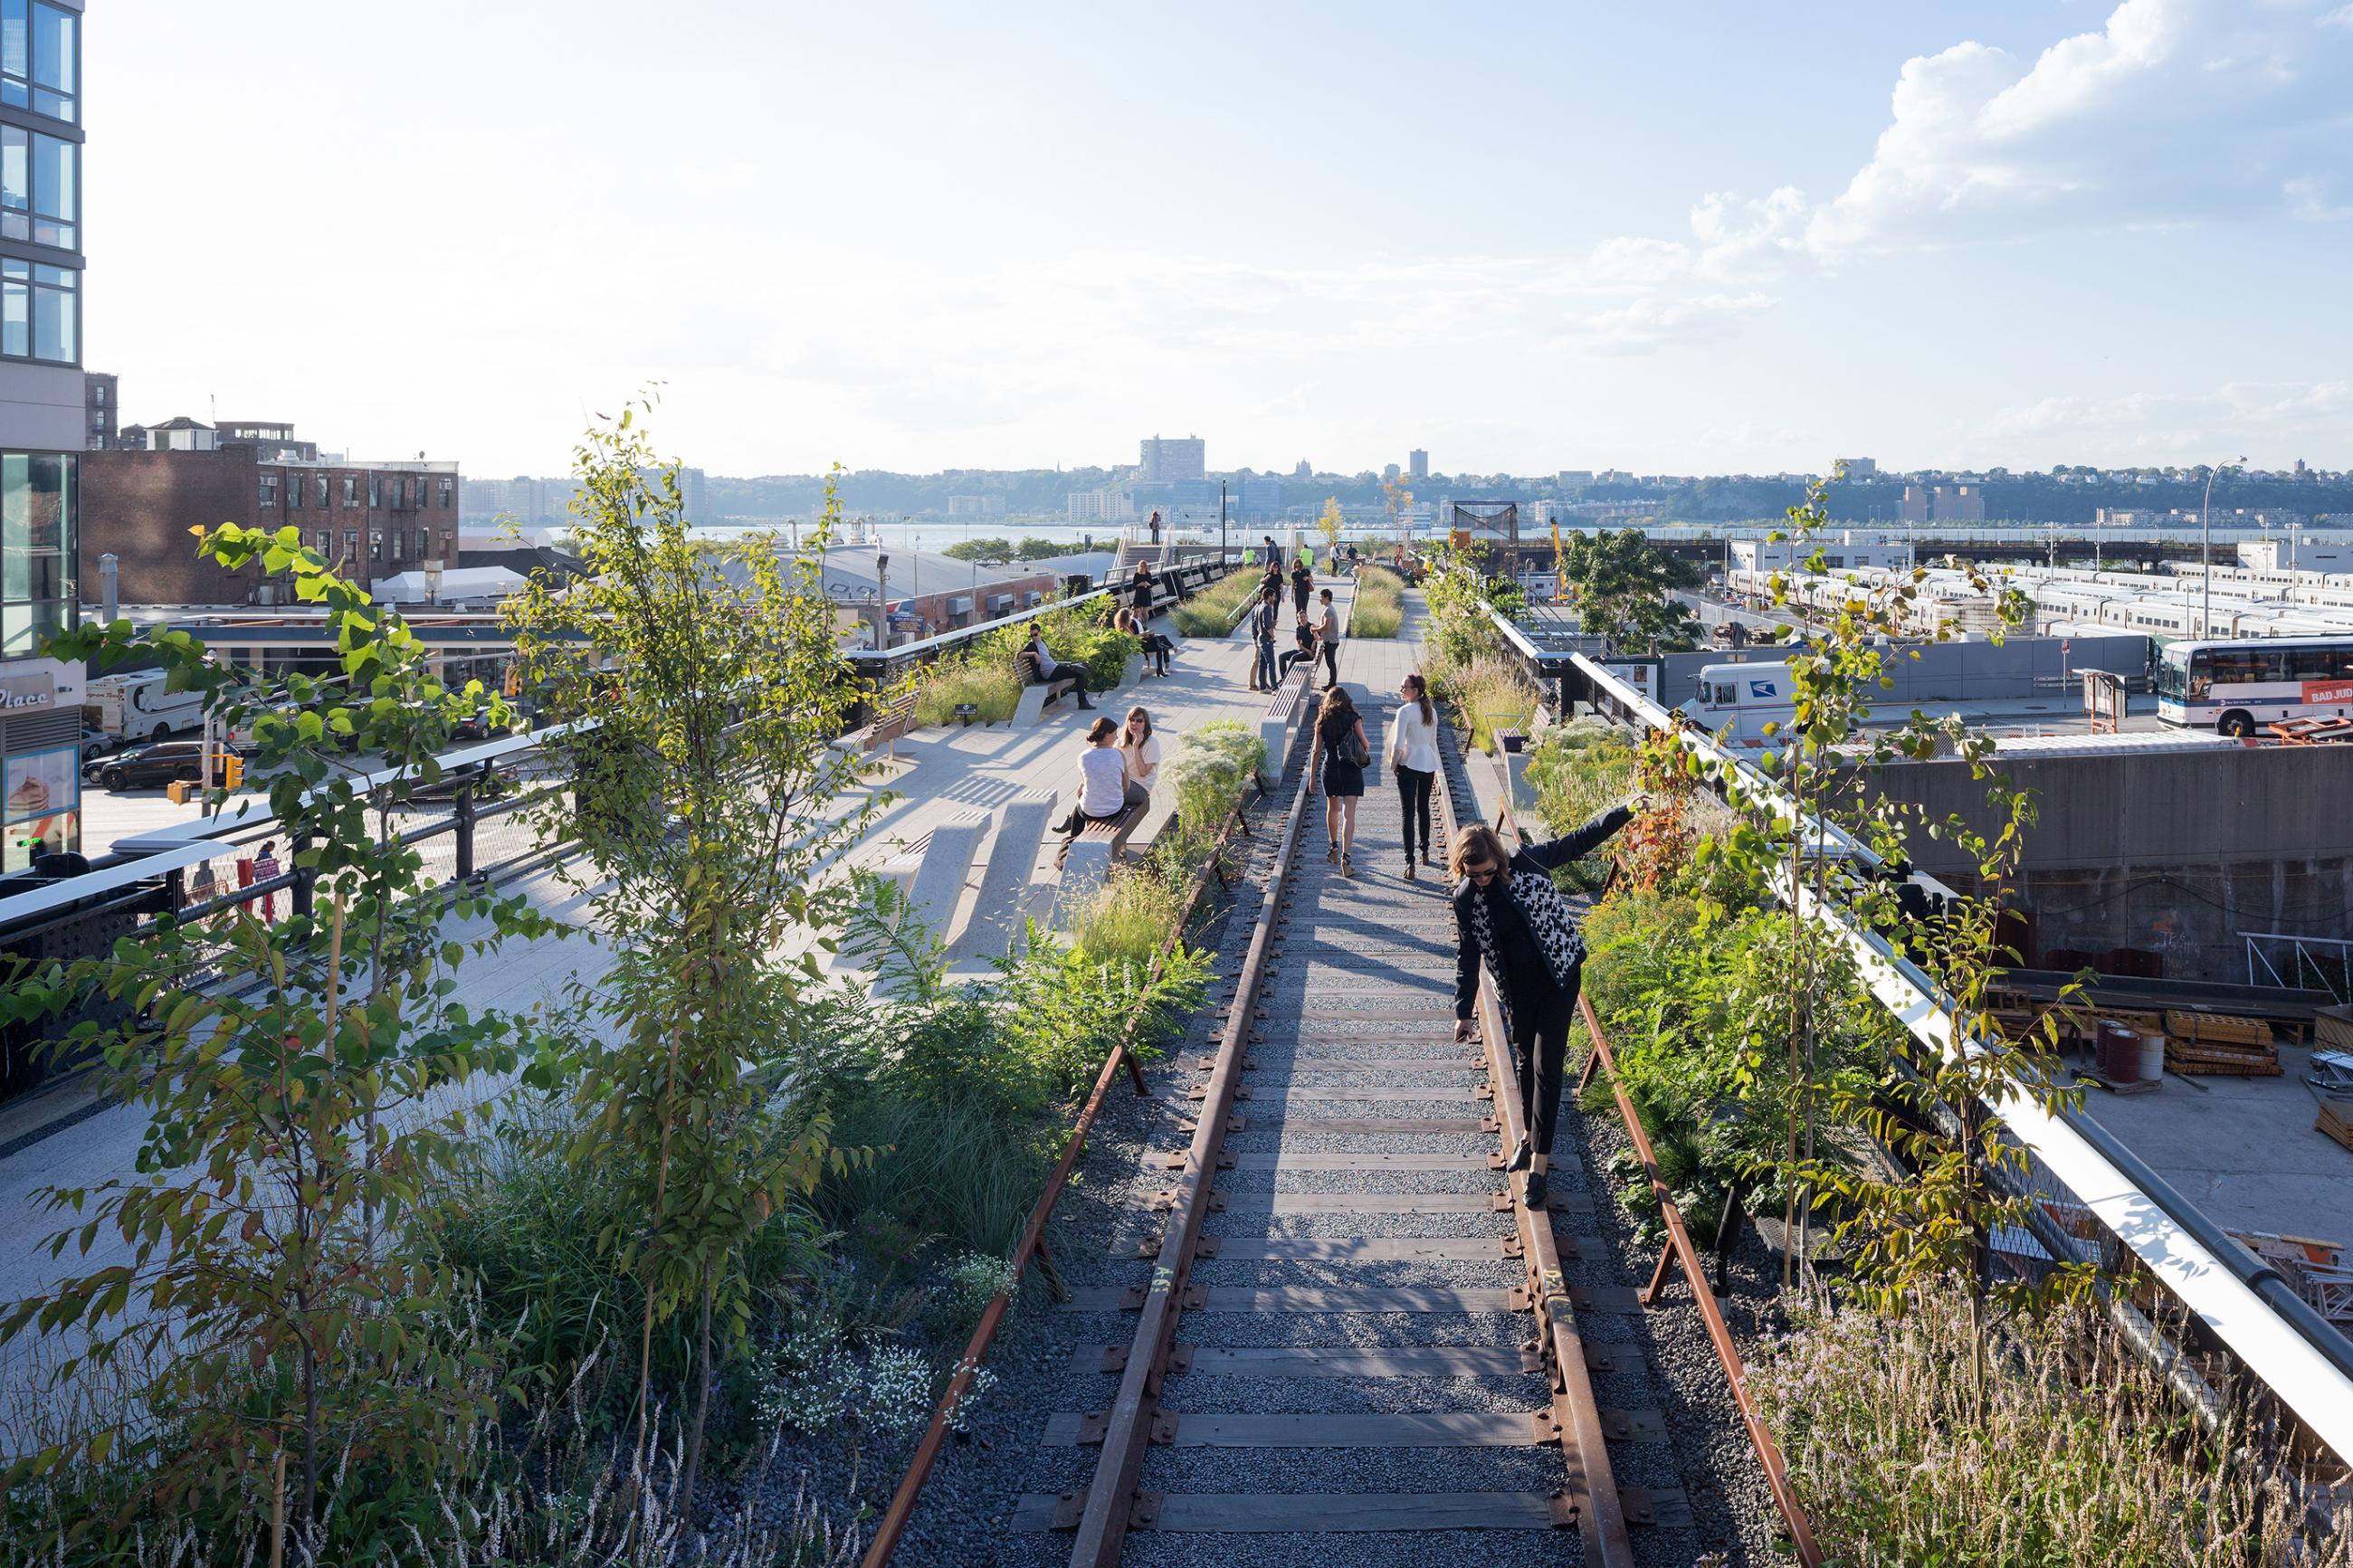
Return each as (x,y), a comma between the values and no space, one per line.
(146,767)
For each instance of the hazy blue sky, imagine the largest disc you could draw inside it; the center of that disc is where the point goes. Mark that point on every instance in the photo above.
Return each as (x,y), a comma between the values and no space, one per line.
(1526,236)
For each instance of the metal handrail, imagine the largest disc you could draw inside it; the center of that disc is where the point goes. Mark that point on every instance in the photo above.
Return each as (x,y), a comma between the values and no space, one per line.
(2245,1304)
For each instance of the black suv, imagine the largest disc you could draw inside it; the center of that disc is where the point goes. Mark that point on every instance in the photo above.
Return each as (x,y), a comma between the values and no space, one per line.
(144,767)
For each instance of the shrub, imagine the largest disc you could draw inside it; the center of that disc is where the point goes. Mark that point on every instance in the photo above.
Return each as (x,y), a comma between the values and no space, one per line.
(1212,764)
(1908,1444)
(1577,769)
(1379,606)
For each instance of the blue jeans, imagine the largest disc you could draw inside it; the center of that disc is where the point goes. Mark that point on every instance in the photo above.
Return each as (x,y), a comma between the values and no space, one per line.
(1266,661)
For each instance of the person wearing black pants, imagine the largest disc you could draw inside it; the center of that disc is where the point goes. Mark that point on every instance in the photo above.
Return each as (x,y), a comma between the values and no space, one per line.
(1413,757)
(1327,642)
(1512,925)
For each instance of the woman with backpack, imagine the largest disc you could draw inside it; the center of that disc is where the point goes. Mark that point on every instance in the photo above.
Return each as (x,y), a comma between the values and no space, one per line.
(1338,760)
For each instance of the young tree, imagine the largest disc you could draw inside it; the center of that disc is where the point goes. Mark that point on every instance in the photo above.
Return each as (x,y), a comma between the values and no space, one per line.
(1937,1110)
(711,808)
(308,1082)
(1624,588)
(1329,524)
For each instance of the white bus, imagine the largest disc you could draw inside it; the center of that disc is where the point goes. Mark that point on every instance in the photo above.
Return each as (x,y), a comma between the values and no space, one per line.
(2236,688)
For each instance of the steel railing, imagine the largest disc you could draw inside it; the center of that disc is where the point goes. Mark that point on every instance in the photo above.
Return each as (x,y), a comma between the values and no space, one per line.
(2070,1164)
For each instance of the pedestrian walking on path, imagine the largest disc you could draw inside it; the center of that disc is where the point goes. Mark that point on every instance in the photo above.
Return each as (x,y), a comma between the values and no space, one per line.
(1512,922)
(1302,585)
(1262,624)
(1327,642)
(1413,758)
(1337,761)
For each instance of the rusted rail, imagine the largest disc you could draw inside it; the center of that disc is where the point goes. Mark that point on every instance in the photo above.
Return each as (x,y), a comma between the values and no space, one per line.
(1103,1518)
(1591,1488)
(1679,1248)
(893,1522)
(1679,1243)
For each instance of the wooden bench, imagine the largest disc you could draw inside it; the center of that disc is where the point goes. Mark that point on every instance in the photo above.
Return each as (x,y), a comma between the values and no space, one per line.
(1113,832)
(1037,693)
(891,721)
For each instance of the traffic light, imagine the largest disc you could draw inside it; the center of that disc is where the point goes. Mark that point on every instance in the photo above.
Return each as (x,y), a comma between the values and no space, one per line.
(232,772)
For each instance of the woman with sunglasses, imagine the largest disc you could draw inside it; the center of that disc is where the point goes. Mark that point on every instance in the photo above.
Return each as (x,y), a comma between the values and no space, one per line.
(1512,922)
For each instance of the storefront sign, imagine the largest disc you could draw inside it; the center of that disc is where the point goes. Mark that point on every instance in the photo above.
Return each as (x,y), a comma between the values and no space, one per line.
(38,686)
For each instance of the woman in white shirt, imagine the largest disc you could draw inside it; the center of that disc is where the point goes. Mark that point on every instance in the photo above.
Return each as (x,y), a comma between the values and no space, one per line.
(1141,749)
(1104,789)
(1413,756)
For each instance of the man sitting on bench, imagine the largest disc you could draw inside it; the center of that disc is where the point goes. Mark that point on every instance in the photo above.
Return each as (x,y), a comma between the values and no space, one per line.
(1051,669)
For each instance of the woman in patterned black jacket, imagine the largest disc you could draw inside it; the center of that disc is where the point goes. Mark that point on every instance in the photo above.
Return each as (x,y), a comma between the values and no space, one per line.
(1512,924)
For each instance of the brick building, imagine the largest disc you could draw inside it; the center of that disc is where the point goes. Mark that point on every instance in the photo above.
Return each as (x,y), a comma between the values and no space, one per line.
(376,518)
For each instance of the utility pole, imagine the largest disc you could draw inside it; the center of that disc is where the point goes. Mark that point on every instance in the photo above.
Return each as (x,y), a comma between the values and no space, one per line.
(2206,551)
(1222,525)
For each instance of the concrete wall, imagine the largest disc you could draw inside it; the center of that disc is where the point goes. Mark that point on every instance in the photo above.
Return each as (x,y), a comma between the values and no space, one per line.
(1957,671)
(2172,854)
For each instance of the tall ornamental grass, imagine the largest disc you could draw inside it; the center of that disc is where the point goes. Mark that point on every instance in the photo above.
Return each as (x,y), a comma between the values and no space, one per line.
(2064,1449)
(1207,613)
(1492,694)
(1379,606)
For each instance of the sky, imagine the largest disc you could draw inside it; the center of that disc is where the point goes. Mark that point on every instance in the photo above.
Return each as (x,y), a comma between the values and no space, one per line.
(1699,237)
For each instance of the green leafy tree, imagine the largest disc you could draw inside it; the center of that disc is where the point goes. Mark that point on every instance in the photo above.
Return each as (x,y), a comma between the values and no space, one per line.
(1035,549)
(1625,587)
(988,552)
(308,1083)
(1937,1110)
(710,807)
(1330,523)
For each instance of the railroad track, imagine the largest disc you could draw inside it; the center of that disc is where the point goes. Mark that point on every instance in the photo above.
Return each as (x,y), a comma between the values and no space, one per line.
(1355,1343)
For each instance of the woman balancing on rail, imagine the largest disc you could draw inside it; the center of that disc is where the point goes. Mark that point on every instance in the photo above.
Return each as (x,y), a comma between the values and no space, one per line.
(1510,920)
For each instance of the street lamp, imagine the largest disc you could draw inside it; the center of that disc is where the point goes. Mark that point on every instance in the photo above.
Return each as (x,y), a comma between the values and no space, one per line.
(2206,550)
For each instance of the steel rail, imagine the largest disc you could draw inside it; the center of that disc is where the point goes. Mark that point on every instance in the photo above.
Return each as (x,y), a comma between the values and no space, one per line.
(1727,1355)
(1577,1415)
(894,1519)
(1103,1522)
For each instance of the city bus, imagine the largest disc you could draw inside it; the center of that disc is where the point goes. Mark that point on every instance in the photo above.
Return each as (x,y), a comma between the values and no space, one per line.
(2236,688)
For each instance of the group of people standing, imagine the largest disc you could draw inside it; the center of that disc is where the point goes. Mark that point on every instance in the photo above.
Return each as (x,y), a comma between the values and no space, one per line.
(1316,636)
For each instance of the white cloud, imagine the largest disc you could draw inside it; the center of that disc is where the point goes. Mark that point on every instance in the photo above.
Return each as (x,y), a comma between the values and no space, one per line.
(2174,111)
(2277,418)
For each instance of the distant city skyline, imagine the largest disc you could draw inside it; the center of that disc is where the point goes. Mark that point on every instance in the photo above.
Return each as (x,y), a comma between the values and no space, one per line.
(1957,236)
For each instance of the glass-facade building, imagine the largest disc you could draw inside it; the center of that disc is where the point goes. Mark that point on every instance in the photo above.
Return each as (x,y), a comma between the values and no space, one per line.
(43,420)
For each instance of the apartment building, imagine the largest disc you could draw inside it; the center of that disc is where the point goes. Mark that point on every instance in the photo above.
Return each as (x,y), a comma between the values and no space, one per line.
(375,519)
(45,429)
